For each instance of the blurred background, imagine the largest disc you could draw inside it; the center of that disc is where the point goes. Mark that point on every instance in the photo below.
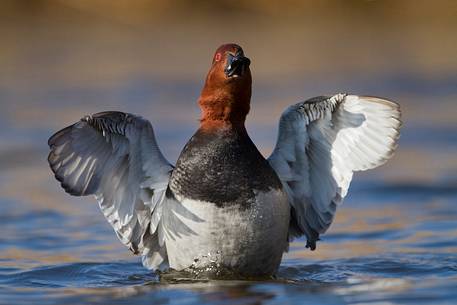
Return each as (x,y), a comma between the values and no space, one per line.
(63,59)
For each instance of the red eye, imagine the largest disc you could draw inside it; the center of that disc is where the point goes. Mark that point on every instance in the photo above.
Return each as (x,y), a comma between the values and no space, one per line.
(217,57)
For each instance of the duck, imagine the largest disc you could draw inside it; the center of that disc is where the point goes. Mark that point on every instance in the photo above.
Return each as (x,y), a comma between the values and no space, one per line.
(223,208)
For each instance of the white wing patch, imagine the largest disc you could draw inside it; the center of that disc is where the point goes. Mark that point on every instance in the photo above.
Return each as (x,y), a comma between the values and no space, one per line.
(321,142)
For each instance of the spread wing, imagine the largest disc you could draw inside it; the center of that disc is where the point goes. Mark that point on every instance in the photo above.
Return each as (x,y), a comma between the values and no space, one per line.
(114,156)
(321,142)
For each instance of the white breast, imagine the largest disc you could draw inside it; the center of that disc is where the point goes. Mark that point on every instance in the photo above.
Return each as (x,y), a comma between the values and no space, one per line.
(249,241)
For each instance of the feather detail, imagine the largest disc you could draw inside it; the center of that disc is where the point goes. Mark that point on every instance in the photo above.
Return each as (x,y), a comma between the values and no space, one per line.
(321,142)
(114,156)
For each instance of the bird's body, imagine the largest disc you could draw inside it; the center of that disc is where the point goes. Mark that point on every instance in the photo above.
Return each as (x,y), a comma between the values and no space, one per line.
(224,208)
(243,214)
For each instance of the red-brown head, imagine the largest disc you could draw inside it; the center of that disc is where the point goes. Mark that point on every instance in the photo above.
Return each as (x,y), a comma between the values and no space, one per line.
(226,95)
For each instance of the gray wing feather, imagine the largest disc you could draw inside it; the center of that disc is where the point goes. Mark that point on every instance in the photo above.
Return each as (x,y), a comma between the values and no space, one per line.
(114,156)
(321,142)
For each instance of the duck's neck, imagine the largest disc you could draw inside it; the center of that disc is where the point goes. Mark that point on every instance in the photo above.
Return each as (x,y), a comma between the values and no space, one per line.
(222,108)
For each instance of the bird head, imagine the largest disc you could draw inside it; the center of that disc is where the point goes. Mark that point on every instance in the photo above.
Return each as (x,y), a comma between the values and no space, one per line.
(227,91)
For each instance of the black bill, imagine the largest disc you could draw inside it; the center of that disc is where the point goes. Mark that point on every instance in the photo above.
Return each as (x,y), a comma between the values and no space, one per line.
(236,64)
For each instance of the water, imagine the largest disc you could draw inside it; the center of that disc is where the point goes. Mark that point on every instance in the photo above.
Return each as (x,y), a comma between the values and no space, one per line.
(394,240)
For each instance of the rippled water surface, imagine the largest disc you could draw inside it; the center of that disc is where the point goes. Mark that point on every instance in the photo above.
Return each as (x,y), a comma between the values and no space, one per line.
(391,244)
(394,240)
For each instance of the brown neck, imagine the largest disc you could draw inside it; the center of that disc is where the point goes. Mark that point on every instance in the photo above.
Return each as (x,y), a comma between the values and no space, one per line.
(224,106)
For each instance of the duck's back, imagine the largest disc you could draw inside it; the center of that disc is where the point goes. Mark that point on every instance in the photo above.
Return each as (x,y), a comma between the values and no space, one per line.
(240,214)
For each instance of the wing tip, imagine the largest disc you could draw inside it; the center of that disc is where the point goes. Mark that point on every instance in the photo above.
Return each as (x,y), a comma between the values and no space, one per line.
(57,135)
(393,105)
(55,159)
(382,100)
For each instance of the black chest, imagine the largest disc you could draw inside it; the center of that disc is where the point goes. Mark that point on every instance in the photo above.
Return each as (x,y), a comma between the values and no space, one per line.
(222,167)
